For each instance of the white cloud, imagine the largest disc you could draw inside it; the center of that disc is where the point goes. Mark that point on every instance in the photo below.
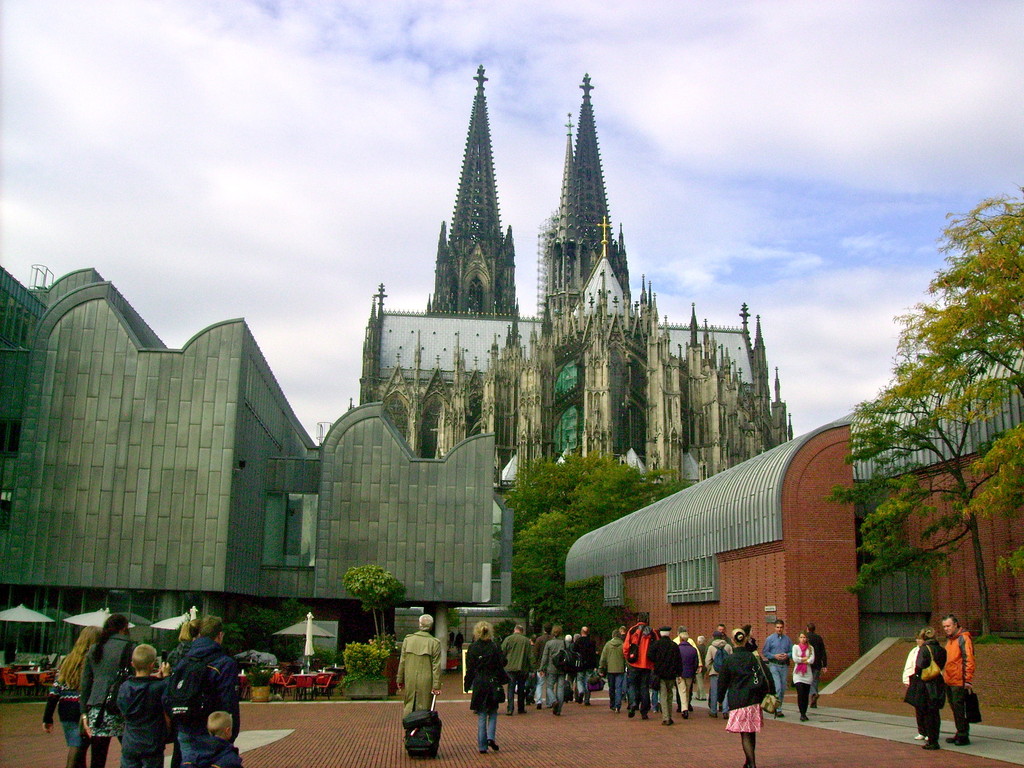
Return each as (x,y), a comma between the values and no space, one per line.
(278,160)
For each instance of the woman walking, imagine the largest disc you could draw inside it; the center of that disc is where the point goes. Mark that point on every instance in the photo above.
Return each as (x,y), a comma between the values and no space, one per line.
(746,682)
(929,696)
(112,652)
(803,659)
(486,677)
(63,698)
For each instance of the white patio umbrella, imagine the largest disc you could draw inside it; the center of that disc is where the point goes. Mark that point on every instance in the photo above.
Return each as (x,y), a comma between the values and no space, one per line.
(22,615)
(174,622)
(90,619)
(95,618)
(299,630)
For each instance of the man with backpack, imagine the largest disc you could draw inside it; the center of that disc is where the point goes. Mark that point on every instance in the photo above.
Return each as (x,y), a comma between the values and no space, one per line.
(586,650)
(557,661)
(203,682)
(718,651)
(636,647)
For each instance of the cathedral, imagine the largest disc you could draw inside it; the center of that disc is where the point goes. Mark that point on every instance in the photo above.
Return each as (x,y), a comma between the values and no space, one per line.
(596,370)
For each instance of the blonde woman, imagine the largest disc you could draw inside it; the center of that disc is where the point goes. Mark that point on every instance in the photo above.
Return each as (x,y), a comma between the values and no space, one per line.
(63,698)
(486,677)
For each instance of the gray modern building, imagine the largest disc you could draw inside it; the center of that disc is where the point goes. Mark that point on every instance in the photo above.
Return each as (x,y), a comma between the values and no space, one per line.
(149,479)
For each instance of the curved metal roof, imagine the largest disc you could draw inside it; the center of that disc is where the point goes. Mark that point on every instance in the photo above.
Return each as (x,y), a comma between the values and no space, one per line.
(739,507)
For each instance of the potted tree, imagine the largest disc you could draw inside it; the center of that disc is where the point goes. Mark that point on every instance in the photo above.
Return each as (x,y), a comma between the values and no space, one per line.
(364,670)
(259,683)
(379,591)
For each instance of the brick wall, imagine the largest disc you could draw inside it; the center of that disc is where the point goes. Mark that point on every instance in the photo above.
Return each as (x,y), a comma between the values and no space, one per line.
(820,540)
(804,576)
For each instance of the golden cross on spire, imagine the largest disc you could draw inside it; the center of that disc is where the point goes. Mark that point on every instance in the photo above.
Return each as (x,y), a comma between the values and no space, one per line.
(604,230)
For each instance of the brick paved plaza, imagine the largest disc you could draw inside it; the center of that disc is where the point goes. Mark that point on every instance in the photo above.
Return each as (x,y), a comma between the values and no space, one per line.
(368,735)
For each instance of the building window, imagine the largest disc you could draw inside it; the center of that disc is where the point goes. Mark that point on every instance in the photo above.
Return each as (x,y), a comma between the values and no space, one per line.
(10,435)
(567,380)
(289,529)
(5,509)
(692,581)
(567,432)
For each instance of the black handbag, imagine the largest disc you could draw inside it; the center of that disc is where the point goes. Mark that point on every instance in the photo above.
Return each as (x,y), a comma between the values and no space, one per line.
(971,708)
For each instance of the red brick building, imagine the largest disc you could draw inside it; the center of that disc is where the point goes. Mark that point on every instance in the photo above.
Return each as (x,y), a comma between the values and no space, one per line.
(760,541)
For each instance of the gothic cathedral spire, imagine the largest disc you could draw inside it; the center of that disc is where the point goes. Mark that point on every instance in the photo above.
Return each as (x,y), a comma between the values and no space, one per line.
(475,269)
(576,246)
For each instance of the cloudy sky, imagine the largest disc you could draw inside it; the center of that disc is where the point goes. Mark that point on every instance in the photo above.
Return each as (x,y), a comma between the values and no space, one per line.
(277,160)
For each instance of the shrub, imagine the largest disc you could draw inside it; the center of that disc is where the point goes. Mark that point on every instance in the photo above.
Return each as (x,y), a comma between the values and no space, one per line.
(365,661)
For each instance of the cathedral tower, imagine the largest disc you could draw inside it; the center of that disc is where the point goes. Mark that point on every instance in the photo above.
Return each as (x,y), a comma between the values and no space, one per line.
(578,240)
(475,269)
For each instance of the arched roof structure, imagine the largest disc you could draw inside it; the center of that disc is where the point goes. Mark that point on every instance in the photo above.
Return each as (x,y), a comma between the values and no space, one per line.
(740,507)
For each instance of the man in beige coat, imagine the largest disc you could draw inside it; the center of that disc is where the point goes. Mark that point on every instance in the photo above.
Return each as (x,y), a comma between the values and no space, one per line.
(419,669)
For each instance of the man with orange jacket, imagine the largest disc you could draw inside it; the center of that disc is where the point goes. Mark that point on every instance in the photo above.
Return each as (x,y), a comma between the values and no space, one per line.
(959,675)
(635,648)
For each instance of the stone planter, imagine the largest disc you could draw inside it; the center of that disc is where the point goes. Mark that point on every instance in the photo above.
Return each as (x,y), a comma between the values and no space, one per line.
(367,689)
(260,694)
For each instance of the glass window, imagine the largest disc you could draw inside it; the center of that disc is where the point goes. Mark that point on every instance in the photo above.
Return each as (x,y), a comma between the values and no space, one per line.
(5,510)
(289,529)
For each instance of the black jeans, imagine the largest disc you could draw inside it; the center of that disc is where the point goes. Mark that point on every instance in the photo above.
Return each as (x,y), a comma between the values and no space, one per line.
(803,696)
(957,702)
(517,687)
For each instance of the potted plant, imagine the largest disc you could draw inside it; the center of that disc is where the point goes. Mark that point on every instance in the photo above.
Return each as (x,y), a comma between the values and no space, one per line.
(364,670)
(259,683)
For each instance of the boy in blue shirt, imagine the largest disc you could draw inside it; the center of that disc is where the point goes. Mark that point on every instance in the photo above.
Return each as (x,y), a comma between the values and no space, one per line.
(215,749)
(140,700)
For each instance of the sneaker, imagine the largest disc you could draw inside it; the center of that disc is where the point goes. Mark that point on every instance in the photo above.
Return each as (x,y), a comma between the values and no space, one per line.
(930,745)
(778,713)
(920,737)
(804,718)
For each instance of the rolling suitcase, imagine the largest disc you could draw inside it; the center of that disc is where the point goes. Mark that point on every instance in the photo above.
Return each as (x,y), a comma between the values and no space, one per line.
(422,731)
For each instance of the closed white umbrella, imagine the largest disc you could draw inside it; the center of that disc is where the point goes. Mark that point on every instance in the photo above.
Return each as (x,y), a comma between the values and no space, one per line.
(309,636)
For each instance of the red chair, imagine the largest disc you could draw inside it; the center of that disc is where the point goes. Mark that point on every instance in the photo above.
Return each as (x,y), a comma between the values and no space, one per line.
(289,685)
(325,683)
(304,686)
(10,680)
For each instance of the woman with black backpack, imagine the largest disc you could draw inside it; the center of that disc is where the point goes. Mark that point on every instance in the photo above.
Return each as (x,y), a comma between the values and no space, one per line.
(745,681)
(104,669)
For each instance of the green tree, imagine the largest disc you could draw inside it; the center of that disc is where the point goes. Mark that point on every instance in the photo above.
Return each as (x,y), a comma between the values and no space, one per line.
(960,357)
(376,588)
(555,504)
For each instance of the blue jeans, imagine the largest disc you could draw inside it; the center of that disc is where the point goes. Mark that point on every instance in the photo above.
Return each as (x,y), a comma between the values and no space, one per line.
(713,697)
(542,695)
(638,686)
(815,677)
(486,728)
(616,690)
(583,684)
(555,682)
(779,674)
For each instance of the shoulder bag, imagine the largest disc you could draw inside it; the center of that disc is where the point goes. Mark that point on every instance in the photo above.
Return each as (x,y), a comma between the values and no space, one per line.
(932,670)
(770,702)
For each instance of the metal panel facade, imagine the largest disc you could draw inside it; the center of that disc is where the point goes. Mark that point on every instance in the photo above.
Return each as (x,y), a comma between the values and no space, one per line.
(427,521)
